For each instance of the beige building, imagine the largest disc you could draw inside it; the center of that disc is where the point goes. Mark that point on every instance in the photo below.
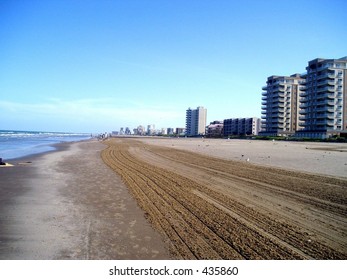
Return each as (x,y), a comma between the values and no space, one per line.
(280,103)
(323,108)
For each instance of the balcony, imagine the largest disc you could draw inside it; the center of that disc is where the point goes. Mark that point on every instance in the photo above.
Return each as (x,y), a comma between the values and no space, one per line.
(264,97)
(326,96)
(279,94)
(303,105)
(325,116)
(304,111)
(324,122)
(279,83)
(330,95)
(303,99)
(321,109)
(277,115)
(278,100)
(326,88)
(264,88)
(330,82)
(303,94)
(330,75)
(324,101)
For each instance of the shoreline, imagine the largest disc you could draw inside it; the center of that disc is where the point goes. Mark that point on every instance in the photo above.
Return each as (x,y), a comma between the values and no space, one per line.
(67,204)
(54,147)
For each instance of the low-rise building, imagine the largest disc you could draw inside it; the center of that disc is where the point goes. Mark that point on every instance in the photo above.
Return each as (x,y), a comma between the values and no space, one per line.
(241,126)
(180,131)
(215,129)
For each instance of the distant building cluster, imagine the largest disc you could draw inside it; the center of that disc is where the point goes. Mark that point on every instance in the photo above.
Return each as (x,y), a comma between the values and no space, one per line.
(196,125)
(150,131)
(313,104)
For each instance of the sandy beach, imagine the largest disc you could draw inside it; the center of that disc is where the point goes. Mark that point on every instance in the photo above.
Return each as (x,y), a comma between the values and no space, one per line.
(168,198)
(210,201)
(69,205)
(312,157)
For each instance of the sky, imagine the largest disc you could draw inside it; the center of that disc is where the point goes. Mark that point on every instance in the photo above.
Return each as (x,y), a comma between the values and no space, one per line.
(98,65)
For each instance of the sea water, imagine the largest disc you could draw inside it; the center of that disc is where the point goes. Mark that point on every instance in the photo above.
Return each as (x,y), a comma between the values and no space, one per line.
(15,144)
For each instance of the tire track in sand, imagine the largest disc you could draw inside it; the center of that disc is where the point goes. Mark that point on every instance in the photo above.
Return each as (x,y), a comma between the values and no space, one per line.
(196,227)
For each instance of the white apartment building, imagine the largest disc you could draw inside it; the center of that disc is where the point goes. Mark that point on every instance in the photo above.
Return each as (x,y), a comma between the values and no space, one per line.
(323,108)
(280,105)
(196,121)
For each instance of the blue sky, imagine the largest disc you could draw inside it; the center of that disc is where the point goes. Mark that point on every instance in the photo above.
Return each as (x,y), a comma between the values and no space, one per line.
(93,66)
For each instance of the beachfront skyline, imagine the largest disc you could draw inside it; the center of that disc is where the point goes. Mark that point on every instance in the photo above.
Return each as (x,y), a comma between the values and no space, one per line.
(90,66)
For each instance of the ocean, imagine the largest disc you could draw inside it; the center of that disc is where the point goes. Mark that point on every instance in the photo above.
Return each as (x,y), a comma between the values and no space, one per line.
(15,144)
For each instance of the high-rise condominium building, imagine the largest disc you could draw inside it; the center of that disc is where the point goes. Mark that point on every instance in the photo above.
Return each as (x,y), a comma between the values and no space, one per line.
(323,108)
(196,121)
(280,105)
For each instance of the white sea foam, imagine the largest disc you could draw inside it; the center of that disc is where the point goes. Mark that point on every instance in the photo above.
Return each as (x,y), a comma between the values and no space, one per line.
(14,144)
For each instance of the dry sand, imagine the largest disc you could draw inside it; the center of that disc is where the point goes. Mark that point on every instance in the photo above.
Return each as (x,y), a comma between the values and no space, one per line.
(212,208)
(70,205)
(313,157)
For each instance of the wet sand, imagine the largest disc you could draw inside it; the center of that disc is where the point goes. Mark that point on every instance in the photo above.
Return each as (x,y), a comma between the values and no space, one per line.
(68,204)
